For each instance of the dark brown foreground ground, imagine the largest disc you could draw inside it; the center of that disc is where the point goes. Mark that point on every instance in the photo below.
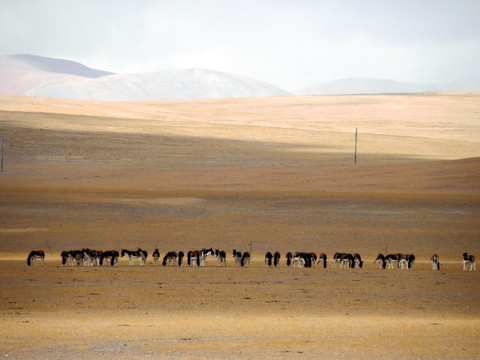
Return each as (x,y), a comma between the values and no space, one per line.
(217,313)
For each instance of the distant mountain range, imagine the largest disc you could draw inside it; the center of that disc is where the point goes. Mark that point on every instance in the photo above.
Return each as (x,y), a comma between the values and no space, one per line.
(42,76)
(382,86)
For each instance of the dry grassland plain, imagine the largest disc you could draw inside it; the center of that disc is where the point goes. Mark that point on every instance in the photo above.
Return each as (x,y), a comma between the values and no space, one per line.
(270,174)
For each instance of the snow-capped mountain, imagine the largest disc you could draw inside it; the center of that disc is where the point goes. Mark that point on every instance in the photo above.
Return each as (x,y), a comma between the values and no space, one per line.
(40,76)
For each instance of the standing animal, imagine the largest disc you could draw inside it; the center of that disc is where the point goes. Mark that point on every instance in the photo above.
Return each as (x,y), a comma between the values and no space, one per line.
(380,261)
(156,256)
(198,257)
(133,255)
(170,259)
(113,255)
(469,260)
(345,260)
(337,259)
(66,258)
(276,259)
(180,258)
(435,262)
(303,259)
(237,255)
(357,261)
(289,258)
(221,258)
(203,256)
(322,258)
(268,259)
(393,258)
(34,256)
(91,257)
(245,259)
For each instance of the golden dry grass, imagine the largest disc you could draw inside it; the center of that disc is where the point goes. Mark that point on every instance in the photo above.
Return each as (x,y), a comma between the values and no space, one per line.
(276,173)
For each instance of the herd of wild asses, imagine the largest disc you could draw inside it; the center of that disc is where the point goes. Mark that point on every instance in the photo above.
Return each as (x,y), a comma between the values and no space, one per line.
(198,258)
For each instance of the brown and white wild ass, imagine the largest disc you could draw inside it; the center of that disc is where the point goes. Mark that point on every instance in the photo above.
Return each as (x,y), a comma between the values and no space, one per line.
(289,258)
(237,256)
(304,259)
(322,260)
(435,262)
(403,261)
(268,259)
(113,255)
(345,260)
(156,256)
(34,256)
(180,257)
(245,261)
(392,259)
(469,260)
(68,257)
(380,261)
(406,261)
(357,261)
(199,257)
(133,255)
(276,259)
(221,258)
(170,259)
(91,257)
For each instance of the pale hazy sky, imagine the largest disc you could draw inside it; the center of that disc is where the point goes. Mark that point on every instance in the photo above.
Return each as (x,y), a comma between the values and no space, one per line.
(289,43)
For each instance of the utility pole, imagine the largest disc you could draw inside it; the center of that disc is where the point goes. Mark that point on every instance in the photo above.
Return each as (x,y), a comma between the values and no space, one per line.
(356,138)
(3,146)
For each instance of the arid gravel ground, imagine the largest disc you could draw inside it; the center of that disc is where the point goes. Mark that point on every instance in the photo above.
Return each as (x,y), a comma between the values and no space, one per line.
(261,174)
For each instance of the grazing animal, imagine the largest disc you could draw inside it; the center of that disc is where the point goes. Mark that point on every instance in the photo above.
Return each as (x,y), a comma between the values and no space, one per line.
(435,262)
(66,258)
(203,256)
(337,259)
(91,257)
(289,258)
(170,259)
(237,255)
(76,255)
(357,261)
(322,258)
(276,259)
(469,260)
(221,258)
(192,257)
(133,255)
(410,261)
(113,255)
(180,258)
(380,261)
(345,260)
(245,259)
(303,259)
(34,256)
(156,256)
(198,257)
(298,260)
(393,258)
(268,259)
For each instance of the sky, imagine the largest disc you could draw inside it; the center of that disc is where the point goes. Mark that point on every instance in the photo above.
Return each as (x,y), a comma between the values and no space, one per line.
(288,43)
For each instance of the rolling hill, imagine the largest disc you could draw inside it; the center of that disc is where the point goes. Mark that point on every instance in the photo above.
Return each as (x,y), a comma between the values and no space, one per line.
(33,75)
(40,76)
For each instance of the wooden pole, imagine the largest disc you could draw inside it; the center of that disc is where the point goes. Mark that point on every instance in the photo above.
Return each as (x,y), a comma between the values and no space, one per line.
(3,145)
(356,138)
